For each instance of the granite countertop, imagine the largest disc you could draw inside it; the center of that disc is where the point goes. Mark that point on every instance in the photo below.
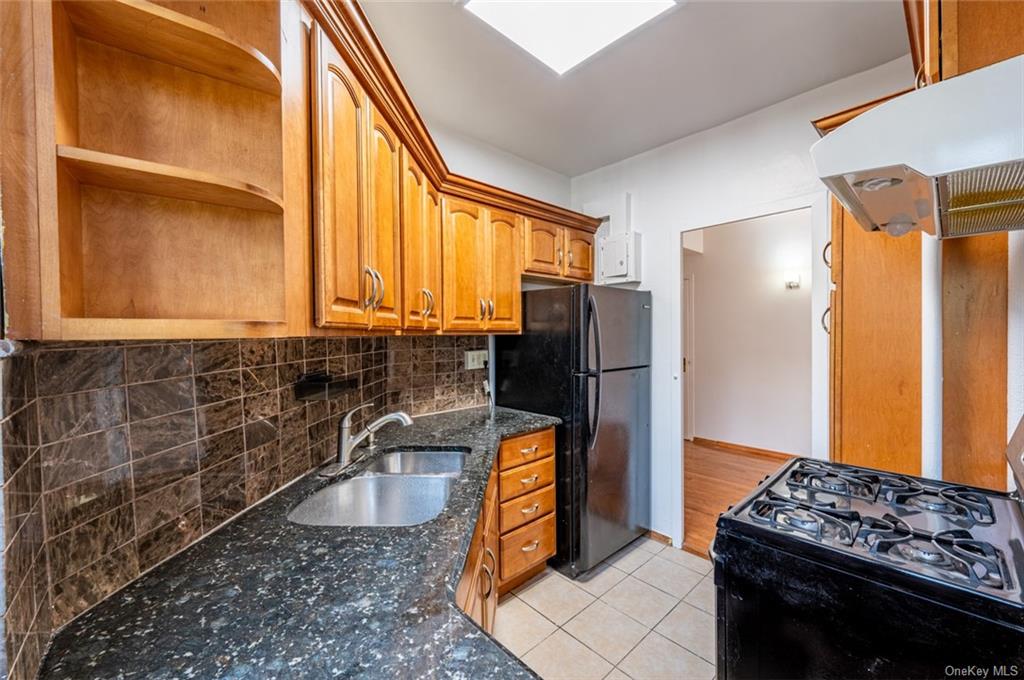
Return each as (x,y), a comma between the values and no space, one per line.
(264,597)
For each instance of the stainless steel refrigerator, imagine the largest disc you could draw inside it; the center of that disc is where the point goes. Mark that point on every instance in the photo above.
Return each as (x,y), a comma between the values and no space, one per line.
(584,355)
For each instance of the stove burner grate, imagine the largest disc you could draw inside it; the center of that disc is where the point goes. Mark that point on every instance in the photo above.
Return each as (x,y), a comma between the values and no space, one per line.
(956,502)
(824,525)
(816,476)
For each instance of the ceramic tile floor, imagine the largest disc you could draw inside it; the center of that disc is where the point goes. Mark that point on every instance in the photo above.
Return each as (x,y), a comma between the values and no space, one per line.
(646,613)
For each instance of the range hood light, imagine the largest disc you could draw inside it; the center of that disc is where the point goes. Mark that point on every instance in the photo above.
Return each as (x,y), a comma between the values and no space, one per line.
(876,183)
(947,159)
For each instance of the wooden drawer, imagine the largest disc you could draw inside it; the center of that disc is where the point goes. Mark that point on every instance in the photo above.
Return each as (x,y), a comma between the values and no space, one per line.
(527,478)
(525,448)
(527,546)
(525,509)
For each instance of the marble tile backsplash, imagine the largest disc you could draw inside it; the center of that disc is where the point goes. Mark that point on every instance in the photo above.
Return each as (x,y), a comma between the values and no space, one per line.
(116,456)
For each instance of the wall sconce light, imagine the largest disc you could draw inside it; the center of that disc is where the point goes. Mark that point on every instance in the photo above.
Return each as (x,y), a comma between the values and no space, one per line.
(792,281)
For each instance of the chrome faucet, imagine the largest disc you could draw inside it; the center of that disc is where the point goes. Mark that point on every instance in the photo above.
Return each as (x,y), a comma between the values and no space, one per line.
(347,442)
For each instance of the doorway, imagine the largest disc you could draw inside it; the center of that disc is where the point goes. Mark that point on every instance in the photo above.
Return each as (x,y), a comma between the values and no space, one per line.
(747,360)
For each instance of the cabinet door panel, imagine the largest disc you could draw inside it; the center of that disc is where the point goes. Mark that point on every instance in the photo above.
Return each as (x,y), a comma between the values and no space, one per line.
(579,255)
(465,246)
(384,221)
(339,134)
(432,255)
(505,289)
(414,237)
(542,247)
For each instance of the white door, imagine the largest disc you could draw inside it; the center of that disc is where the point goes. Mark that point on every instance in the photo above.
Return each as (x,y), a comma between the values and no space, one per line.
(689,413)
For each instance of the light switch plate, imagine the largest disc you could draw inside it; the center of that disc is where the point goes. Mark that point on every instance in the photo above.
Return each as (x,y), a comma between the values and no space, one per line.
(476,359)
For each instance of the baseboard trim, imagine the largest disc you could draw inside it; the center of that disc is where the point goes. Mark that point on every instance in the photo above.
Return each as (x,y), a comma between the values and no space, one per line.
(660,538)
(740,448)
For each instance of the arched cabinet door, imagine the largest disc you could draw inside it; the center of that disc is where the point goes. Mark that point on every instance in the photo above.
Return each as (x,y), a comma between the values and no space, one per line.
(342,285)
(505,297)
(385,221)
(466,265)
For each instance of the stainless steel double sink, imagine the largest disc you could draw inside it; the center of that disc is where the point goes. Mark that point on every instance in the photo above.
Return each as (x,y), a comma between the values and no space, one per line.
(399,488)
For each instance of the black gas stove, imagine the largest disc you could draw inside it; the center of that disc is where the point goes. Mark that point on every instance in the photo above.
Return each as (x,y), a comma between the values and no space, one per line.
(833,571)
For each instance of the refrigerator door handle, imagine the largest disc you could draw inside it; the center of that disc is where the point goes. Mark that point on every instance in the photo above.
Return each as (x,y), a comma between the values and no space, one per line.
(595,322)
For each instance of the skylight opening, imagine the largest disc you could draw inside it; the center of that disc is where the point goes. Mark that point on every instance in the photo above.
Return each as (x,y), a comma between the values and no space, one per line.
(564,33)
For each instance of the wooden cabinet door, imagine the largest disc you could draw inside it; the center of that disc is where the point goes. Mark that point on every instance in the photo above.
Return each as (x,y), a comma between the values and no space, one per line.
(464,265)
(876,347)
(543,247)
(505,296)
(415,299)
(579,255)
(432,256)
(385,224)
(339,189)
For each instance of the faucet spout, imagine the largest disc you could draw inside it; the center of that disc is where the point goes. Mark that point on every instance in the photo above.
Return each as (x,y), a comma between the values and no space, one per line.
(348,442)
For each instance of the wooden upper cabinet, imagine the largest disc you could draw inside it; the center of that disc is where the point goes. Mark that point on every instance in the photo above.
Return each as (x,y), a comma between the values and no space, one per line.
(465,264)
(553,251)
(385,224)
(504,298)
(342,280)
(543,247)
(421,248)
(579,254)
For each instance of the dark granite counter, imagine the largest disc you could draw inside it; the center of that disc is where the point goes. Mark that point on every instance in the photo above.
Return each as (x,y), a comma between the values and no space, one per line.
(265,598)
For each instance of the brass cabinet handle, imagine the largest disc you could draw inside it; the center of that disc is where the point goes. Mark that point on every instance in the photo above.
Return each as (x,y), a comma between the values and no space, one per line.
(483,309)
(491,307)
(826,254)
(494,560)
(530,449)
(531,510)
(433,302)
(530,548)
(373,289)
(490,581)
(826,324)
(530,480)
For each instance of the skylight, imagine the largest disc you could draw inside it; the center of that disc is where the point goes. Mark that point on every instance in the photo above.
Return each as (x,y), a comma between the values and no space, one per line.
(564,33)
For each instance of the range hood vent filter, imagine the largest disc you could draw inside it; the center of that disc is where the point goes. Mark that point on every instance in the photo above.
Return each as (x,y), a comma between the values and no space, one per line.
(983,200)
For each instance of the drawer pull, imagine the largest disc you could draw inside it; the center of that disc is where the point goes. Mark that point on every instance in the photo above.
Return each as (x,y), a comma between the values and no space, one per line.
(530,548)
(531,479)
(531,449)
(531,510)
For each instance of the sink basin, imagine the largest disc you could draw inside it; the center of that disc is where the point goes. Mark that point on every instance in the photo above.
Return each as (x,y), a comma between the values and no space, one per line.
(376,500)
(418,463)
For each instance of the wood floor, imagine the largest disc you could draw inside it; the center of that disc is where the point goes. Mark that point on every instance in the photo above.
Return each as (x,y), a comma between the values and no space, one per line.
(714,479)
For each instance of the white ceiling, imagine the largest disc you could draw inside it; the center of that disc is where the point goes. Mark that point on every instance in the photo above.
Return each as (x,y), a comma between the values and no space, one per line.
(700,65)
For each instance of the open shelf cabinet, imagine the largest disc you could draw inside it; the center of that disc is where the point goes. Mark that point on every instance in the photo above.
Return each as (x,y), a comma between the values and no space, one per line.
(167,157)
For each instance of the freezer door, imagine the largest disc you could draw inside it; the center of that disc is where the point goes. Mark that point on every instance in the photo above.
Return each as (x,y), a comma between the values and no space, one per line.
(623,318)
(616,457)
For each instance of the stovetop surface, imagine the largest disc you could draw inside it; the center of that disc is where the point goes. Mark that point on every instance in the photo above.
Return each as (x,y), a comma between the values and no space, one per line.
(969,538)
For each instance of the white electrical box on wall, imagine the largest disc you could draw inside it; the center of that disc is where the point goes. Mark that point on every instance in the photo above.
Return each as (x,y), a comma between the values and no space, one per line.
(619,258)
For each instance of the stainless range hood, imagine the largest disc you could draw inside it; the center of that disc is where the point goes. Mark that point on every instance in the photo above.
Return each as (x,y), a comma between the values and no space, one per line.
(946,159)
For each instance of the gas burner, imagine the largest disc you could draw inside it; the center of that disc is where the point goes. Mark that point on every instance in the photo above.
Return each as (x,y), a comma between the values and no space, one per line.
(823,525)
(831,479)
(889,527)
(956,502)
(950,555)
(890,485)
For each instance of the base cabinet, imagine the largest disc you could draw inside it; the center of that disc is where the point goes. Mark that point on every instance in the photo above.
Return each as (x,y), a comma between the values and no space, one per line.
(515,533)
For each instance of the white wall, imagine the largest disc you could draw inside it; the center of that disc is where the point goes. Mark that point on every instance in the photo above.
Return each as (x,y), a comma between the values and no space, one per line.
(755,165)
(751,360)
(481,161)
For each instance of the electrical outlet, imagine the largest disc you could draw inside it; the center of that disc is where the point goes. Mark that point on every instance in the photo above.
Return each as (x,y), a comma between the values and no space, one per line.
(476,359)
